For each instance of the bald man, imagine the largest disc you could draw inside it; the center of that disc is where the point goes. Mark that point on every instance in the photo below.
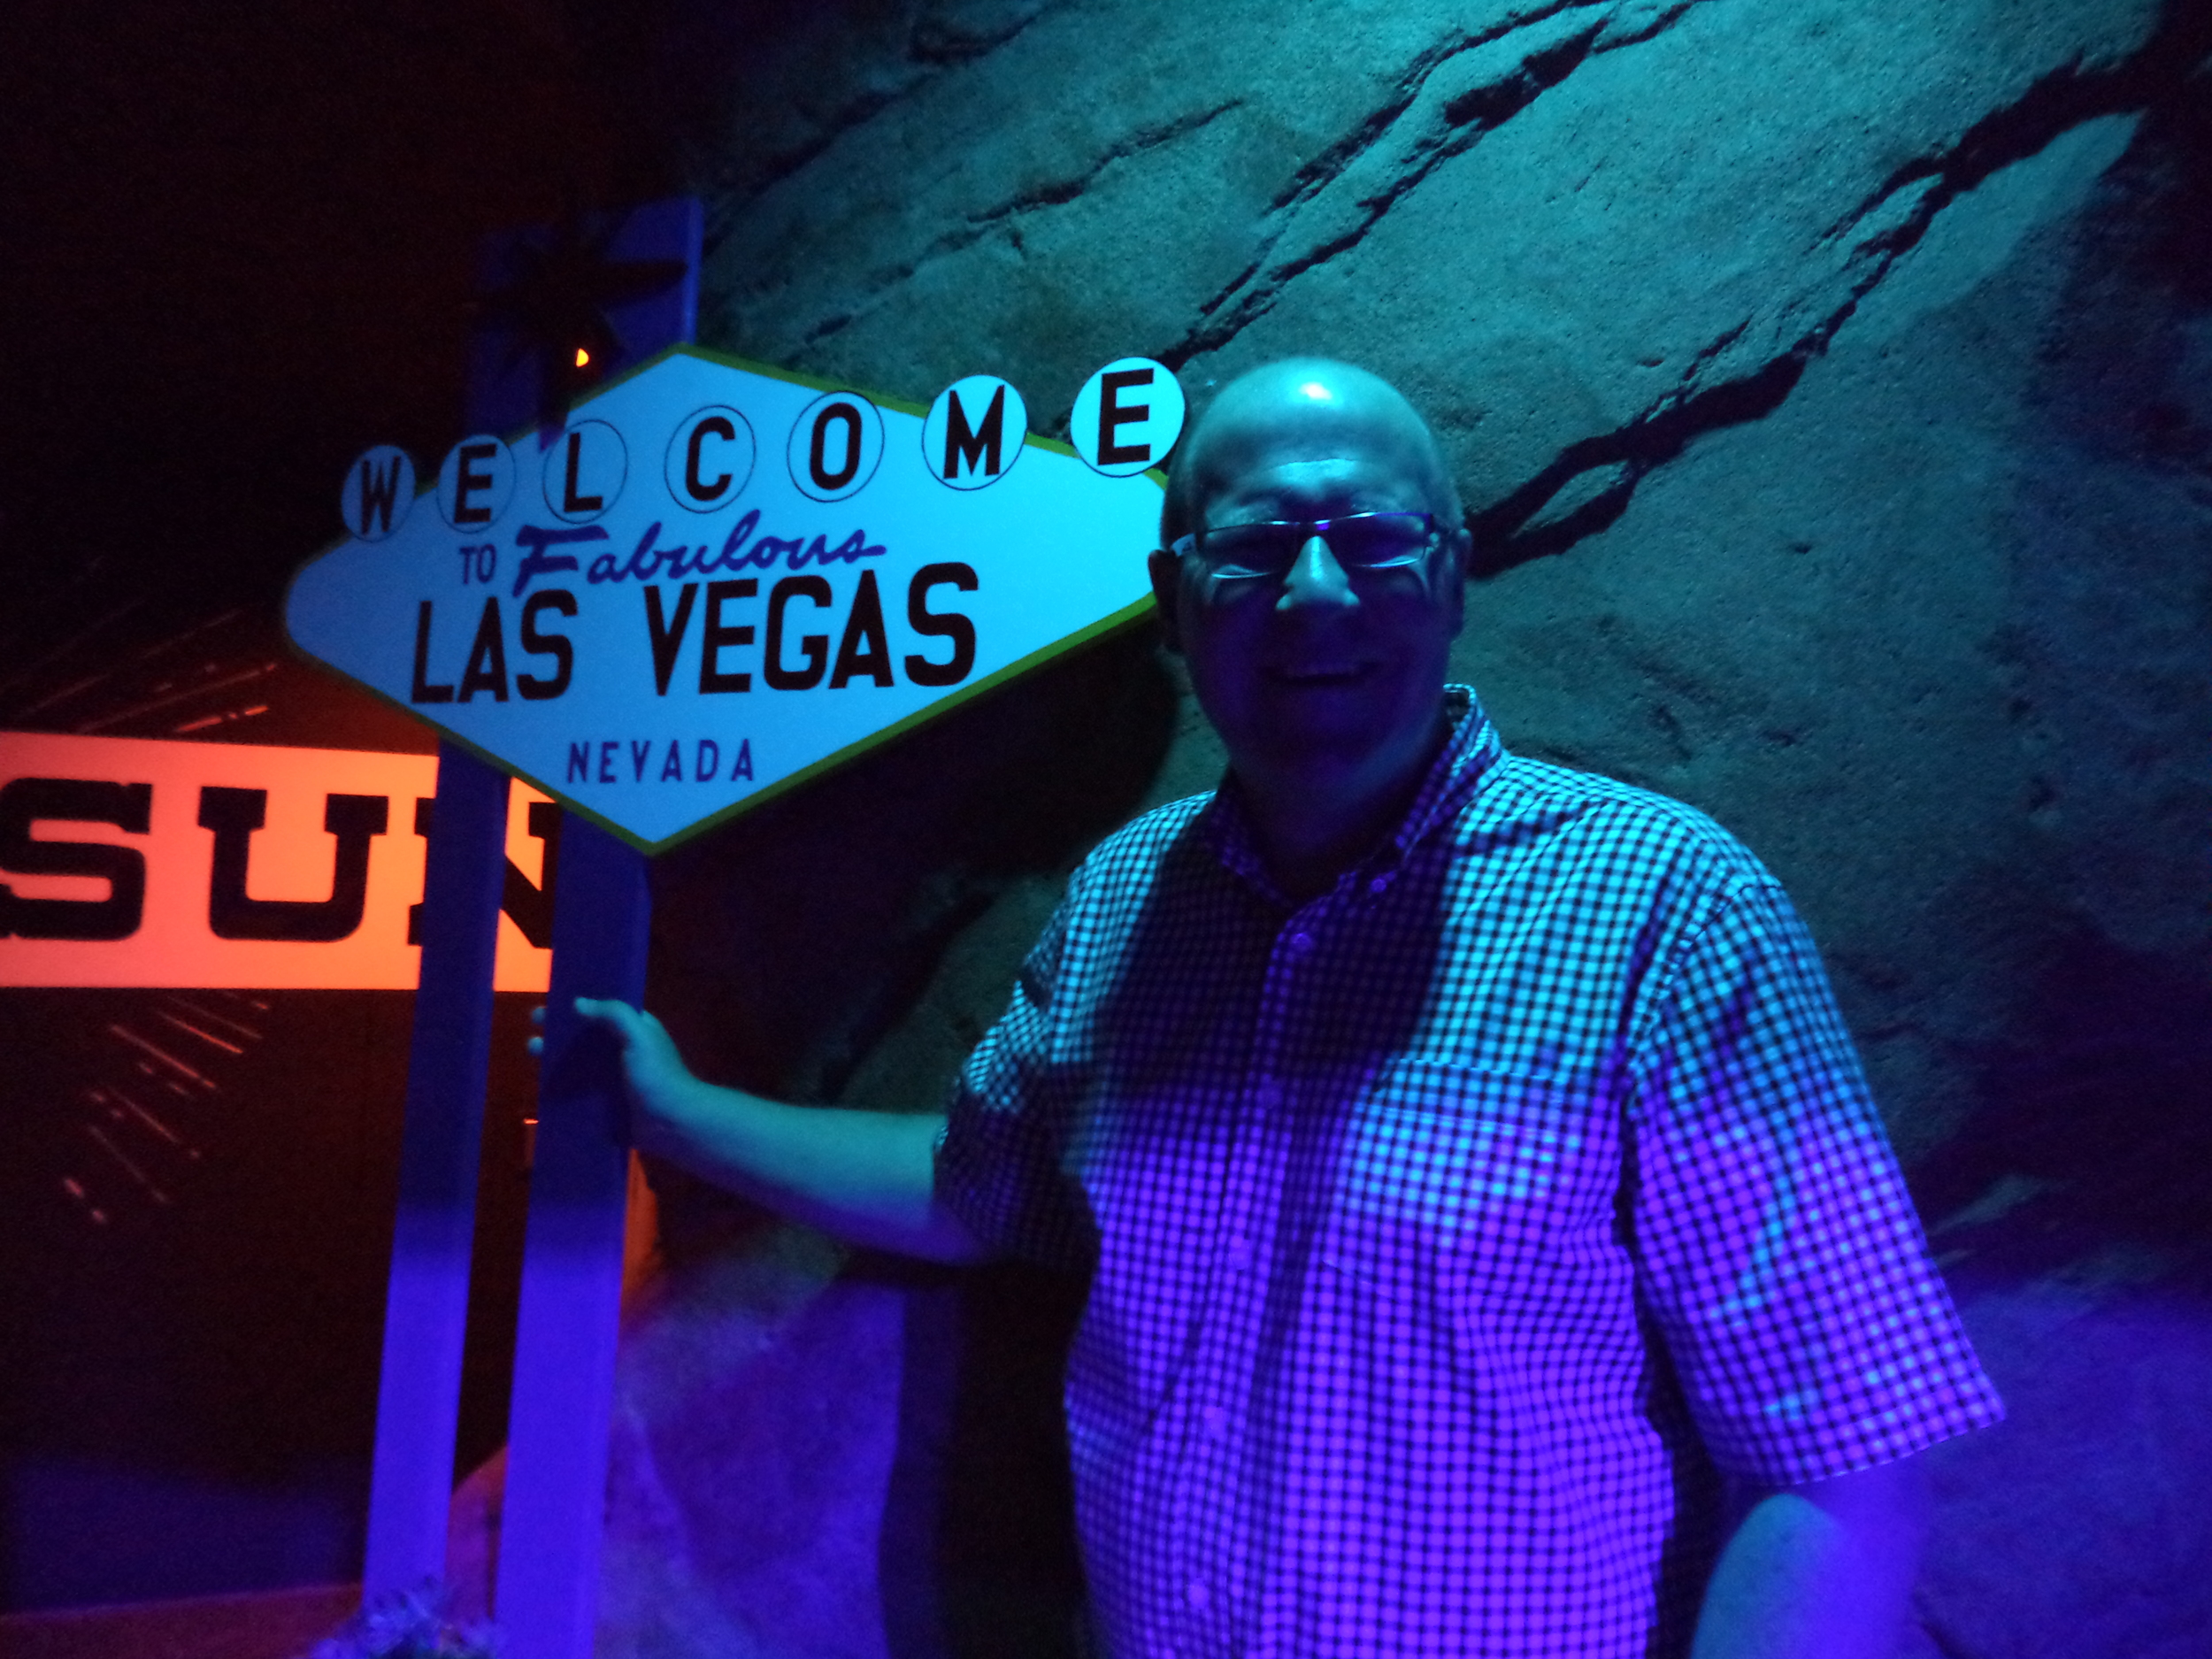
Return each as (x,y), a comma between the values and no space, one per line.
(1491,1245)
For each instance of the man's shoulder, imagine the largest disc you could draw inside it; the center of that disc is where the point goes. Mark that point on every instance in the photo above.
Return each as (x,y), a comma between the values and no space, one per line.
(1620,822)
(1144,839)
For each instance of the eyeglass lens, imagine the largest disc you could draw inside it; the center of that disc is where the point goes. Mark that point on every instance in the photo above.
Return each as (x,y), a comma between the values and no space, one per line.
(1364,541)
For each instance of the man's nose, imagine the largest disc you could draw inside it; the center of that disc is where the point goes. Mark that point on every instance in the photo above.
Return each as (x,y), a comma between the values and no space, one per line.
(1315,579)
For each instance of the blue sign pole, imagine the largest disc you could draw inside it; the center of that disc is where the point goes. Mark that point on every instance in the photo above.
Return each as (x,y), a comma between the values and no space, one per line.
(425,1309)
(568,307)
(557,1425)
(555,1510)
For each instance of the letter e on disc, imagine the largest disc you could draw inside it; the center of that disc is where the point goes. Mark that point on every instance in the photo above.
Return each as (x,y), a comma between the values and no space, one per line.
(380,488)
(974,431)
(476,482)
(709,458)
(835,445)
(1127,417)
(584,472)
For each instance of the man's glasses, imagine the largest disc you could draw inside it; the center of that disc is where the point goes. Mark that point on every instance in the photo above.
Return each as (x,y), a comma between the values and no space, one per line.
(1359,542)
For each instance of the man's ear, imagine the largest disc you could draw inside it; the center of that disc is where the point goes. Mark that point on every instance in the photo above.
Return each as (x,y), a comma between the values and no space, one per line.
(1167,593)
(1459,563)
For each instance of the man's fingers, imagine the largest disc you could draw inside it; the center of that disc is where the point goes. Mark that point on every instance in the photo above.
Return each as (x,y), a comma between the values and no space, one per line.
(608,1010)
(626,1022)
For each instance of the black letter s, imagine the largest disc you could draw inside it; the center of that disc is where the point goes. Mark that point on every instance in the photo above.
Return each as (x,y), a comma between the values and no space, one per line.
(949,625)
(556,646)
(128,806)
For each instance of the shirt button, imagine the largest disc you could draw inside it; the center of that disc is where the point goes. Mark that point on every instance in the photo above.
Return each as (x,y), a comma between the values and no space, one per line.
(1237,1250)
(1301,943)
(1378,884)
(1194,1593)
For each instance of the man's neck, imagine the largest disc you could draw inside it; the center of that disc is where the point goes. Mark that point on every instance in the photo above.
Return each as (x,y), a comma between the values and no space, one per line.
(1311,829)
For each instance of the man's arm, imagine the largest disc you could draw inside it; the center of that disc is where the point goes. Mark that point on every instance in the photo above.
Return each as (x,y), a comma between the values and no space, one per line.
(1817,1571)
(866,1177)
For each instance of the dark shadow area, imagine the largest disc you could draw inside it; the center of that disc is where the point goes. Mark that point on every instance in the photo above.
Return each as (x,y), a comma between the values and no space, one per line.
(786,944)
(2095,1123)
(193,1285)
(2093,1128)
(978,1558)
(245,240)
(1523,526)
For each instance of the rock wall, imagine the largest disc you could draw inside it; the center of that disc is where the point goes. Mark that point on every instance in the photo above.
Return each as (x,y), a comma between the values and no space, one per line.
(1832,386)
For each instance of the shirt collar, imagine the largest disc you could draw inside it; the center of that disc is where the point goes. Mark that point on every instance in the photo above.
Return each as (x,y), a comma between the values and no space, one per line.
(1467,757)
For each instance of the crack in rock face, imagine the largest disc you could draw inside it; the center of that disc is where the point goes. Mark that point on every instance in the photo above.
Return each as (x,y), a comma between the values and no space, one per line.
(1452,98)
(1113,178)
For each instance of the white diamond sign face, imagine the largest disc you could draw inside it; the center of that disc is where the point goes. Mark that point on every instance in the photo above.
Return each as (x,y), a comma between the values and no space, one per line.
(715,581)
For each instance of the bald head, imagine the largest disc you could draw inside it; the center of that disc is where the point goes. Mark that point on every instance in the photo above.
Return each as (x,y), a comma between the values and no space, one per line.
(1313,407)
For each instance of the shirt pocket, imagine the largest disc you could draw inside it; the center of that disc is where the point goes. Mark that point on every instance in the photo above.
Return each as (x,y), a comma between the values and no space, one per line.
(1440,1173)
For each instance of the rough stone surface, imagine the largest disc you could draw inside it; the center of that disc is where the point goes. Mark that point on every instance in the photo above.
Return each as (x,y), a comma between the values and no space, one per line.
(1829,383)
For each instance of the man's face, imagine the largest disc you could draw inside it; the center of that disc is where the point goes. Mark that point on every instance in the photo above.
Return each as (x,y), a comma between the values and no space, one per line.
(1323,673)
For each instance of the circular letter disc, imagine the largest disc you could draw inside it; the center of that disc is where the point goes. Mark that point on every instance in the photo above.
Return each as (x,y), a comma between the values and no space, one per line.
(475,482)
(974,431)
(710,458)
(380,488)
(835,445)
(1127,417)
(584,472)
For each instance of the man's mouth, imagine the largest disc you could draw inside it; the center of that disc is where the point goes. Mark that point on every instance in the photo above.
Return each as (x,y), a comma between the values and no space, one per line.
(1321,674)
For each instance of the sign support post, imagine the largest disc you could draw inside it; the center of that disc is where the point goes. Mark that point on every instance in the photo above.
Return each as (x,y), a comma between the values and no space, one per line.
(553,1512)
(559,1423)
(425,1309)
(559,290)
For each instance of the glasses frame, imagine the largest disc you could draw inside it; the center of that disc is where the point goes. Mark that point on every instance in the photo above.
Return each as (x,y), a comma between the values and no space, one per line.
(1192,542)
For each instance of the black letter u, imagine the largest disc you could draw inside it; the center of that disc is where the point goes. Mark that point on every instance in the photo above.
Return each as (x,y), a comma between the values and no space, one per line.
(234,814)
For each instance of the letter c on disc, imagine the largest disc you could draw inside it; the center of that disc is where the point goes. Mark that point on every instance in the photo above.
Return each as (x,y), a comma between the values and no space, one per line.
(710,458)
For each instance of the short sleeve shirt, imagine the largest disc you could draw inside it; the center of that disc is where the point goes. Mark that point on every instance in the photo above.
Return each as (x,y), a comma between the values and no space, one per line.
(1447,1233)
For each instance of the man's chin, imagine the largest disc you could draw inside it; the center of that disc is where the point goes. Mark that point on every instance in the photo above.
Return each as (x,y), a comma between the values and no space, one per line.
(1325,726)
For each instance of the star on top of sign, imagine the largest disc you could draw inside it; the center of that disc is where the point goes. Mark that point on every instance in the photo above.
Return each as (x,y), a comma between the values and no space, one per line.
(557,301)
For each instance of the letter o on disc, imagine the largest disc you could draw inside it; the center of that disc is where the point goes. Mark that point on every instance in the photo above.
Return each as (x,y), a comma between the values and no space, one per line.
(476,482)
(584,472)
(710,458)
(835,445)
(974,431)
(380,488)
(1127,417)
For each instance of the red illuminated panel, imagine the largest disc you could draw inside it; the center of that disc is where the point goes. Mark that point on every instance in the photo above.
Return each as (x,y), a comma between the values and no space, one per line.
(288,919)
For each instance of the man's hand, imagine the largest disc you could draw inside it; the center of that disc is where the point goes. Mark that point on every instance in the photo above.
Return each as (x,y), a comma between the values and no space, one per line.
(660,1084)
(868,1176)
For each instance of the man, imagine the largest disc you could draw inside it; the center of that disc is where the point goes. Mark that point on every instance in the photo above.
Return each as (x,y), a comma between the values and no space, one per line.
(1492,1247)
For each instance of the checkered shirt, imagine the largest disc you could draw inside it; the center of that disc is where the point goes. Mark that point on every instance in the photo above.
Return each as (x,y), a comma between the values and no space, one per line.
(1447,1231)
